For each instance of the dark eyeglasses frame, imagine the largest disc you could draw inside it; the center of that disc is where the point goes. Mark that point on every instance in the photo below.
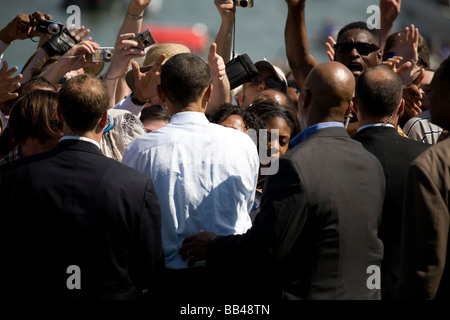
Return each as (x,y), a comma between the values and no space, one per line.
(271,82)
(363,48)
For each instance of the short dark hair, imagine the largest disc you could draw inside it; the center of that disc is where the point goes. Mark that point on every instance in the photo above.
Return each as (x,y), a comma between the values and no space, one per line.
(268,109)
(361,26)
(155,112)
(184,77)
(378,97)
(83,100)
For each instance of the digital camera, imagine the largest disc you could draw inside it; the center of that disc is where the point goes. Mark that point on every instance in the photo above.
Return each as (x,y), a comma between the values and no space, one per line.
(243,3)
(144,39)
(240,70)
(101,55)
(49,26)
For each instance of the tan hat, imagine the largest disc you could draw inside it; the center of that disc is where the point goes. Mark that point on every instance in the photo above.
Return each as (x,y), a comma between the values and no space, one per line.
(153,53)
(266,64)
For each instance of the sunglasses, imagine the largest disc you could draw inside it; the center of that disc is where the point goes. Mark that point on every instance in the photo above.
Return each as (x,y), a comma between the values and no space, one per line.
(271,82)
(363,48)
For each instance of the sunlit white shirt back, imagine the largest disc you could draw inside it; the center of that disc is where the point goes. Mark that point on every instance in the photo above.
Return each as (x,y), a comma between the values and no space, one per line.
(205,177)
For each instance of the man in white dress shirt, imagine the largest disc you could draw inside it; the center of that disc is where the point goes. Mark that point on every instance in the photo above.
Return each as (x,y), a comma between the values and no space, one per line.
(204,174)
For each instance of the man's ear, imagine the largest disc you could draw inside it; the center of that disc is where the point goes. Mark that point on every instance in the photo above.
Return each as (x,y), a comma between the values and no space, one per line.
(401,108)
(208,93)
(162,96)
(305,98)
(352,106)
(380,56)
(103,120)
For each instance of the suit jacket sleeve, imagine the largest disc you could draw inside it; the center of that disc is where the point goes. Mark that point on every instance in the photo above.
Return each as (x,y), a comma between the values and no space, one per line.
(276,228)
(148,259)
(424,240)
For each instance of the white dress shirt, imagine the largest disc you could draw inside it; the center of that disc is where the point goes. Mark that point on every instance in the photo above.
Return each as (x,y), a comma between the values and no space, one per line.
(205,178)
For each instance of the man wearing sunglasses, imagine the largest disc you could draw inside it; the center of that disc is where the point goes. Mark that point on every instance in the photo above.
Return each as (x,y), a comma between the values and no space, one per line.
(357,47)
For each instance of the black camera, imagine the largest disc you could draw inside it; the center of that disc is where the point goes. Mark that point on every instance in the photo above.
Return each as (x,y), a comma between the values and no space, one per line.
(49,26)
(144,39)
(240,70)
(101,55)
(243,3)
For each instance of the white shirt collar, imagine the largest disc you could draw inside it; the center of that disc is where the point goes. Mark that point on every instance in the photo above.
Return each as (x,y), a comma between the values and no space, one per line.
(375,125)
(80,138)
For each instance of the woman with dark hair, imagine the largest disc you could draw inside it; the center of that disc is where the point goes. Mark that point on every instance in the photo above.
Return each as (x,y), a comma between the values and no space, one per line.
(33,124)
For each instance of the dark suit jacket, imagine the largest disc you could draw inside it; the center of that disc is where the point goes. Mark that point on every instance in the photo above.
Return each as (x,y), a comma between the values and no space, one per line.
(395,154)
(317,230)
(74,206)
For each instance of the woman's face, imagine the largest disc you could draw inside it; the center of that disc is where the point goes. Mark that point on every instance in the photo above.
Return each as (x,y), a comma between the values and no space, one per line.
(279,146)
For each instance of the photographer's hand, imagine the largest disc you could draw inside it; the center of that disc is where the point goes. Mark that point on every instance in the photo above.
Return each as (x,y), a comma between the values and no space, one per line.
(73,59)
(22,27)
(227,11)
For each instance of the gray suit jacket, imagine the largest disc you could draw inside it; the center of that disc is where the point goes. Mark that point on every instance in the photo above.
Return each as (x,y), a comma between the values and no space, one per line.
(317,231)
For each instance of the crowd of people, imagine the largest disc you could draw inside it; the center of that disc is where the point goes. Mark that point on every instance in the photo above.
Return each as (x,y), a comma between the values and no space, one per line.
(159,181)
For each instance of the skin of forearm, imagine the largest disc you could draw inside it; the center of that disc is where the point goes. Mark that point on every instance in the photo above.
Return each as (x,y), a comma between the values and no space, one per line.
(224,39)
(297,48)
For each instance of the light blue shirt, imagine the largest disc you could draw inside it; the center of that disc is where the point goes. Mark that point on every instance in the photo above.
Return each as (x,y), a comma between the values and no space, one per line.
(204,175)
(380,124)
(308,131)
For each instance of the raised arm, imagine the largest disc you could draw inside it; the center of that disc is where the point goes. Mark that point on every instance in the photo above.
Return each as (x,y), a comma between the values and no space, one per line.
(224,37)
(132,23)
(296,41)
(389,11)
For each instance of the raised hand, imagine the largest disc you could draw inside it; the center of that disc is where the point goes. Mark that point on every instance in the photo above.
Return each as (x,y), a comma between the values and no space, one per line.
(145,84)
(226,8)
(389,10)
(216,64)
(124,50)
(330,50)
(394,64)
(8,83)
(79,33)
(413,97)
(22,27)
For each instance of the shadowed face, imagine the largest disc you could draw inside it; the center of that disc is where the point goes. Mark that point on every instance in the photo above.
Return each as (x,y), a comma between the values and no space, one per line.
(358,51)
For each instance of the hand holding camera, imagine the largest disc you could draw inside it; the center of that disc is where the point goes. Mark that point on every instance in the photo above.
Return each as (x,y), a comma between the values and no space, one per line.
(22,27)
(144,39)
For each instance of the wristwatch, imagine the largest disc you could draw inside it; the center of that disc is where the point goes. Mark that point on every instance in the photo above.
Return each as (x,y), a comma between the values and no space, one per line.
(135,100)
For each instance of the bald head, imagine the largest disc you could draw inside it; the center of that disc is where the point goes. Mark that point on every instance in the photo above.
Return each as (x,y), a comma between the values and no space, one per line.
(326,94)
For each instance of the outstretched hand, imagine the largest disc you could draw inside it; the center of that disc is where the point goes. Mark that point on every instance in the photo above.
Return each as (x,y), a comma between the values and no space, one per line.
(194,247)
(413,97)
(145,84)
(8,83)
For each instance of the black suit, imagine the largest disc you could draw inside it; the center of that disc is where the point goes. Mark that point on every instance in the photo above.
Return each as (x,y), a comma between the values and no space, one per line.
(395,154)
(74,206)
(318,225)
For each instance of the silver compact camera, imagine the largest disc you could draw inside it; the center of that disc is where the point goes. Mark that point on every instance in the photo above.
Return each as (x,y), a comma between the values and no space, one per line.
(49,26)
(101,55)
(144,39)
(243,3)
